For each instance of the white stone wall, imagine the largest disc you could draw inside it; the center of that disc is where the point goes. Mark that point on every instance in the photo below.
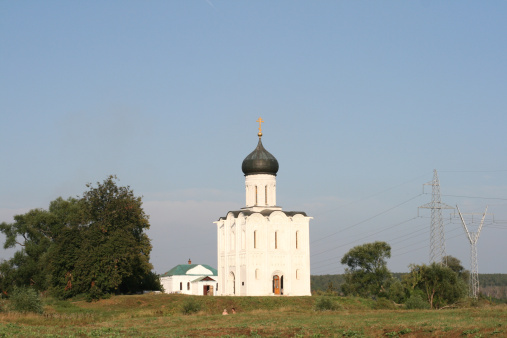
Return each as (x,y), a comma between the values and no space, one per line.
(172,284)
(252,249)
(260,190)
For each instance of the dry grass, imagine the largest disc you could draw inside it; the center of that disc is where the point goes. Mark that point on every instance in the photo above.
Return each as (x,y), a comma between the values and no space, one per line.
(160,316)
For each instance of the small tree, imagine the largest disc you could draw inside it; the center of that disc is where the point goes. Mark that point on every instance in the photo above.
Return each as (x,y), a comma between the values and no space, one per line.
(455,265)
(395,291)
(26,299)
(367,269)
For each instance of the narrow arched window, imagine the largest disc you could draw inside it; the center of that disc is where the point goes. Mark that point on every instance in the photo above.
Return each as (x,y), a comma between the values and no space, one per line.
(297,239)
(255,239)
(188,286)
(243,240)
(222,238)
(255,195)
(266,195)
(276,239)
(181,286)
(233,240)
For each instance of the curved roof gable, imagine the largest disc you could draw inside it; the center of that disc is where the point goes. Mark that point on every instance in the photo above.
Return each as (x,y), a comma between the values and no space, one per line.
(266,212)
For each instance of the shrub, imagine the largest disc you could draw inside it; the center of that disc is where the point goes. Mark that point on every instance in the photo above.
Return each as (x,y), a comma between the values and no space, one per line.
(190,306)
(325,304)
(416,302)
(4,306)
(395,291)
(25,299)
(384,303)
(95,294)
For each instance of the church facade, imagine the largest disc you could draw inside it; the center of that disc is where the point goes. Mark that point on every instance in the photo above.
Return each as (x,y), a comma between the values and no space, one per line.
(262,249)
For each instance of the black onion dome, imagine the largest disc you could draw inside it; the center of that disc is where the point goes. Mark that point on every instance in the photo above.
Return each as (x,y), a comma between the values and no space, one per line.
(260,161)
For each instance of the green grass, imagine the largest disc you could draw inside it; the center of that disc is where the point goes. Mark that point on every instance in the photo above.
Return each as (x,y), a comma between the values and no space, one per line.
(162,316)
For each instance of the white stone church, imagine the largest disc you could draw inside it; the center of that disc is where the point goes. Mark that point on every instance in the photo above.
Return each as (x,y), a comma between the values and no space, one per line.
(263,250)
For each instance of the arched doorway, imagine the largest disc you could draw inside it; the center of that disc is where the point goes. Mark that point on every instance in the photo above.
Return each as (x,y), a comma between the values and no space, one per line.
(276,284)
(231,283)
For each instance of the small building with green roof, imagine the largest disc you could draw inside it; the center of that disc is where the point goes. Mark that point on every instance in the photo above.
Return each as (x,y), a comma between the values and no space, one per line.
(190,279)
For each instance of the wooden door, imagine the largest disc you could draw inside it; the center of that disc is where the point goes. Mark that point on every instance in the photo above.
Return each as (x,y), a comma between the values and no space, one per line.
(276,284)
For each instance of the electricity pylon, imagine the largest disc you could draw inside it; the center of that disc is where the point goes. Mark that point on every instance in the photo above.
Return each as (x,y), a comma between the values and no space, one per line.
(473,237)
(437,238)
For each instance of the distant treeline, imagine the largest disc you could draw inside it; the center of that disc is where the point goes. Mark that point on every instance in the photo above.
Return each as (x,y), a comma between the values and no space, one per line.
(491,284)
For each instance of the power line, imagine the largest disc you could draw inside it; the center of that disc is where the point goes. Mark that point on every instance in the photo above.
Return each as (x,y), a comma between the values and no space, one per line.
(494,227)
(366,220)
(389,241)
(423,247)
(337,258)
(409,234)
(370,196)
(478,197)
(359,239)
(334,261)
(411,244)
(321,265)
(473,171)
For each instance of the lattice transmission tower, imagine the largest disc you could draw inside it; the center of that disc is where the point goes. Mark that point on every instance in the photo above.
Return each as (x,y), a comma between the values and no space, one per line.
(474,266)
(437,237)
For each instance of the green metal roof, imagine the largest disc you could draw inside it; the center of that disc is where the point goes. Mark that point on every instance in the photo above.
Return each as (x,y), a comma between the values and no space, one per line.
(181,270)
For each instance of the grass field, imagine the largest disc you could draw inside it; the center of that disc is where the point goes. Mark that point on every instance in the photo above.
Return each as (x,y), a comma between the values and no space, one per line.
(160,315)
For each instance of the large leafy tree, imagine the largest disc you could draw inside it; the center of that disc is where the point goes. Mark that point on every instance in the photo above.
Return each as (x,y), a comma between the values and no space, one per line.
(440,285)
(96,244)
(367,272)
(117,246)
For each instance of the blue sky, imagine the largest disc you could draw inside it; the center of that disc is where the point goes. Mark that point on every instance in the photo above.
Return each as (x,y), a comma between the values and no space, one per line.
(362,100)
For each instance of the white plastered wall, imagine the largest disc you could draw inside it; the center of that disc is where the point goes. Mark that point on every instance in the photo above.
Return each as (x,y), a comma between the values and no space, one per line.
(171,284)
(254,264)
(260,190)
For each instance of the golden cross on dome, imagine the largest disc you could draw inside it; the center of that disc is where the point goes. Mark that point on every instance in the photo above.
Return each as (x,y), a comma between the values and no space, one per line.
(260,126)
